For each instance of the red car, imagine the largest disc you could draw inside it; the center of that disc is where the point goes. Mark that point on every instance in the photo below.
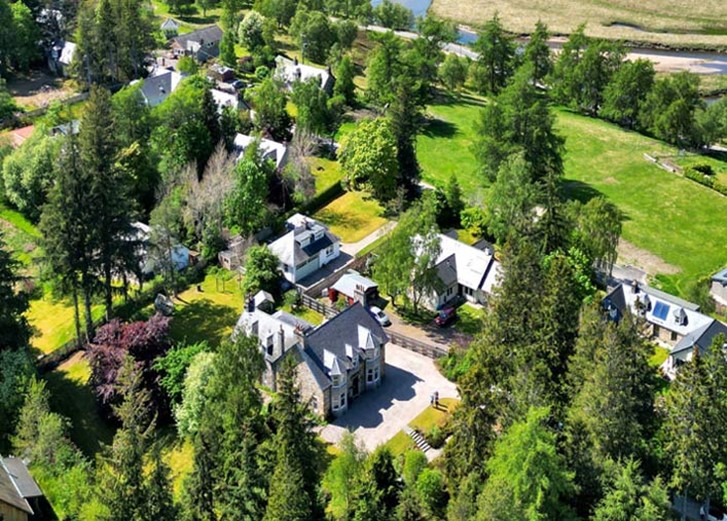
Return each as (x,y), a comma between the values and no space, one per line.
(446,317)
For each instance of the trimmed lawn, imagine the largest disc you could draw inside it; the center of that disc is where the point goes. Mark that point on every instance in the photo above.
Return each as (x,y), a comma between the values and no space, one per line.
(400,444)
(210,314)
(431,416)
(444,147)
(659,357)
(72,397)
(20,236)
(53,322)
(326,171)
(469,319)
(307,314)
(352,216)
(672,217)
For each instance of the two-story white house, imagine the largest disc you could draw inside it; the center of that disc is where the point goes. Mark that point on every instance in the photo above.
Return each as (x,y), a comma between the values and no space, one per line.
(306,247)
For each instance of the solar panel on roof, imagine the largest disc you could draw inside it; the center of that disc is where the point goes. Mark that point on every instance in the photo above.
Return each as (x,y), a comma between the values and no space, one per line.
(661,310)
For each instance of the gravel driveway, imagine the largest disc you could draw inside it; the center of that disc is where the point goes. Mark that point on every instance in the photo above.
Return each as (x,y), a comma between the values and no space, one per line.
(376,416)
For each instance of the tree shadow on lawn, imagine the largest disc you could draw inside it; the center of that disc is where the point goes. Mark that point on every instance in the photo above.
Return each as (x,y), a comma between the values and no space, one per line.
(203,320)
(583,192)
(75,400)
(365,411)
(438,128)
(350,221)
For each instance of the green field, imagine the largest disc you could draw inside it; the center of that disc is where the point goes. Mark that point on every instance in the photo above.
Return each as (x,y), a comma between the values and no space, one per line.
(671,22)
(352,216)
(679,221)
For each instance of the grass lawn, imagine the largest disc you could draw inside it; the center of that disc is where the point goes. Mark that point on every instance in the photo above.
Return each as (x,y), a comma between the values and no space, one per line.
(53,322)
(19,234)
(326,171)
(72,397)
(444,145)
(210,314)
(178,454)
(470,319)
(307,314)
(659,357)
(352,216)
(400,444)
(663,21)
(672,217)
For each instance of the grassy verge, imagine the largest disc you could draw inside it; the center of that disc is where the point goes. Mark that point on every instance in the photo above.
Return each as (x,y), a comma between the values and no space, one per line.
(352,216)
(53,322)
(659,357)
(428,418)
(469,319)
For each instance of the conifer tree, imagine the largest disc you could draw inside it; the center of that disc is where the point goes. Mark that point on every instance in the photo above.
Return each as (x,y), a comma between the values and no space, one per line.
(14,327)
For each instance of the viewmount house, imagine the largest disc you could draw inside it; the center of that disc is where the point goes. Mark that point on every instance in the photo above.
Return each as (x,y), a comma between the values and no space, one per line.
(270,150)
(669,320)
(20,497)
(202,44)
(336,361)
(718,290)
(306,247)
(290,71)
(464,271)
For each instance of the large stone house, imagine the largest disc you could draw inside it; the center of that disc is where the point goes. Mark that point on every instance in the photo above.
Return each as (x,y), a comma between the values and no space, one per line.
(20,497)
(336,361)
(464,271)
(718,290)
(306,247)
(668,320)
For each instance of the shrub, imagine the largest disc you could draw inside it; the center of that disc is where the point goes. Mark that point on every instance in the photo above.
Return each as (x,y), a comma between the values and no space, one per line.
(704,168)
(435,437)
(262,72)
(292,299)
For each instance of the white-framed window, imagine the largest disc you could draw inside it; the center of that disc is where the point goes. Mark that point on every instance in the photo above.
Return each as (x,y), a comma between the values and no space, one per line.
(342,399)
(336,380)
(329,250)
(377,352)
(370,375)
(286,268)
(376,374)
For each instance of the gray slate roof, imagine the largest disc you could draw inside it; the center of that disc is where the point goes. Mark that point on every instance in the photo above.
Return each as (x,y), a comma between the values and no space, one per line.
(701,338)
(447,270)
(721,277)
(16,484)
(351,281)
(207,34)
(343,329)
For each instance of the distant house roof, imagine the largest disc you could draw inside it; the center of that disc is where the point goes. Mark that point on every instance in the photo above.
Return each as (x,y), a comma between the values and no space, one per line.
(657,307)
(192,41)
(159,87)
(20,135)
(290,71)
(169,24)
(16,484)
(471,267)
(227,99)
(271,150)
(72,127)
(352,282)
(700,338)
(721,277)
(305,238)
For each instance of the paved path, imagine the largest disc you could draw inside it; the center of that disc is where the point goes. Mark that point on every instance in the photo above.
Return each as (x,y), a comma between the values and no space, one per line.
(376,416)
(354,247)
(431,334)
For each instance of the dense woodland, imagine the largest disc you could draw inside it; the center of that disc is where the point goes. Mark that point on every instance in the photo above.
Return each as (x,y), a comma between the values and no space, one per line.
(562,416)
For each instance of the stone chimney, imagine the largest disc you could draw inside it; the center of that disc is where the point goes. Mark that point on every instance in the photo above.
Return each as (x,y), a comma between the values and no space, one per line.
(280,343)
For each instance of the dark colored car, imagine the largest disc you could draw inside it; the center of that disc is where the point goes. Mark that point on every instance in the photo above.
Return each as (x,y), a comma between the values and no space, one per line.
(446,317)
(237,84)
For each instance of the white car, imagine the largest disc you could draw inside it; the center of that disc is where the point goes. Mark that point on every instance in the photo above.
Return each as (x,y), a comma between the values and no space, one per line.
(380,316)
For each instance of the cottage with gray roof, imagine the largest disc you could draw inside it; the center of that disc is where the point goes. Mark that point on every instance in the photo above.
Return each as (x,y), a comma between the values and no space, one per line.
(20,497)
(202,44)
(288,72)
(671,321)
(336,361)
(160,86)
(306,247)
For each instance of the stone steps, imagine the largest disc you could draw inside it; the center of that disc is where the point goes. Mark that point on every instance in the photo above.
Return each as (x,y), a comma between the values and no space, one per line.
(419,440)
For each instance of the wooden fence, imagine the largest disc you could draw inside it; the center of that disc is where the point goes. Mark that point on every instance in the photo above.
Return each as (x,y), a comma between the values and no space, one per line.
(417,346)
(320,307)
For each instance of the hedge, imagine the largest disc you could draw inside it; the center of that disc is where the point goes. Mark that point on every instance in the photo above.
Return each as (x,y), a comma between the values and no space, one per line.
(699,177)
